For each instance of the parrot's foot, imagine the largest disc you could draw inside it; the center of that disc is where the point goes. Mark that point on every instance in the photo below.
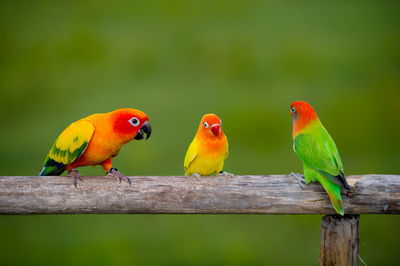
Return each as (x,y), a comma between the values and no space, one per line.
(197,176)
(351,193)
(226,174)
(115,173)
(75,176)
(300,179)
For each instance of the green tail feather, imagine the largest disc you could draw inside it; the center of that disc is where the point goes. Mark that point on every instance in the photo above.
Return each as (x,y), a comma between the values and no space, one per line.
(51,170)
(333,191)
(51,167)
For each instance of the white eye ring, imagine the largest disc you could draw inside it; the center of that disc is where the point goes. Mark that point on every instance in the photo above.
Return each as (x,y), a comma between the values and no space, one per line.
(293,109)
(134,121)
(206,125)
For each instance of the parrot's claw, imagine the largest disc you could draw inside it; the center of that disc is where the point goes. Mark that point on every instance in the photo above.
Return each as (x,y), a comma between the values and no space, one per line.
(351,193)
(117,174)
(226,174)
(75,175)
(300,179)
(197,176)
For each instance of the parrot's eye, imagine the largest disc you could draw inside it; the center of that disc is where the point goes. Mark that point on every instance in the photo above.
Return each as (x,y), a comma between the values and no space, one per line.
(206,125)
(293,109)
(134,121)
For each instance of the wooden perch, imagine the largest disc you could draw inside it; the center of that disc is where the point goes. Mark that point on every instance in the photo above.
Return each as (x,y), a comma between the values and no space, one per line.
(272,194)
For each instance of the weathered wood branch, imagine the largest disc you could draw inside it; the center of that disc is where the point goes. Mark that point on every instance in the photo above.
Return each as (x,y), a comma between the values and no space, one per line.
(273,194)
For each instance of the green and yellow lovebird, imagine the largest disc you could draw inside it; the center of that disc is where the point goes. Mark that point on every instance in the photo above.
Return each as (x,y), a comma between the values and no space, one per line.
(318,152)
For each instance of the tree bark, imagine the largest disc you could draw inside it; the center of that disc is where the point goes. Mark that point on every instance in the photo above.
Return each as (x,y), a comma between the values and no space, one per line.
(270,194)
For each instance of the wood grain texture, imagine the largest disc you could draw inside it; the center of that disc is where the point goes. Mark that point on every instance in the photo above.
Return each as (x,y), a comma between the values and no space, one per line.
(340,240)
(272,194)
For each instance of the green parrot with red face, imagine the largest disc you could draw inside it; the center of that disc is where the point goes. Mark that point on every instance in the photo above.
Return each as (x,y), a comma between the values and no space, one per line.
(318,152)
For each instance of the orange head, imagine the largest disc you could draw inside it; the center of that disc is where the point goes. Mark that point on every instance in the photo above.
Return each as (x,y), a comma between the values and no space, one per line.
(302,114)
(131,123)
(210,126)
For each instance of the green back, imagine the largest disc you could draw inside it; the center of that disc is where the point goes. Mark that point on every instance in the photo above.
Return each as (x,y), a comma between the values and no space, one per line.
(316,148)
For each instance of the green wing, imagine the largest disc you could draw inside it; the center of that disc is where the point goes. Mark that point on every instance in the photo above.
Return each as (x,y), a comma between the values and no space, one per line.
(322,155)
(68,147)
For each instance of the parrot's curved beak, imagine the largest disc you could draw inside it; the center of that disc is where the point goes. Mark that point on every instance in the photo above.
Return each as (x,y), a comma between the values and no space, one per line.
(215,129)
(145,129)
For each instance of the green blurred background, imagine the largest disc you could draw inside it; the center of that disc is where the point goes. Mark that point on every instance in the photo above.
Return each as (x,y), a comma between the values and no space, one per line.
(176,60)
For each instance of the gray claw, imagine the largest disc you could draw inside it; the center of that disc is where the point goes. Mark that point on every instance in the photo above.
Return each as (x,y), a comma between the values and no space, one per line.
(117,174)
(226,174)
(300,179)
(197,176)
(75,175)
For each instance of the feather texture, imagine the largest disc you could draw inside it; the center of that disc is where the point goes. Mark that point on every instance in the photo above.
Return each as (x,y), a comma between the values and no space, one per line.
(207,151)
(315,147)
(94,140)
(68,147)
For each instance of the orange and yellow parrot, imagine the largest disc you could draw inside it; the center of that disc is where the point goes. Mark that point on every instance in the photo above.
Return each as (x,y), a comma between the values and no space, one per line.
(95,140)
(208,150)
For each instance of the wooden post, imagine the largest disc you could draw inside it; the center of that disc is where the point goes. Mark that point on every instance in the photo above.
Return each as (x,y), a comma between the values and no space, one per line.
(340,239)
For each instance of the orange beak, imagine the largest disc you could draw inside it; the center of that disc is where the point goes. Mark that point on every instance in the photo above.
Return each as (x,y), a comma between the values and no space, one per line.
(215,129)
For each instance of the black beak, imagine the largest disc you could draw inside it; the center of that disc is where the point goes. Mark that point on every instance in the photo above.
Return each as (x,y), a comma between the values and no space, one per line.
(145,129)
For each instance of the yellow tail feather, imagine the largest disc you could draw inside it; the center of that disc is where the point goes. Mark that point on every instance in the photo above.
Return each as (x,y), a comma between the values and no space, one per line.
(337,203)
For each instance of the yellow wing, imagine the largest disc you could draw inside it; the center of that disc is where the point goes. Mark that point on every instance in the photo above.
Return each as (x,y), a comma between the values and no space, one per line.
(72,142)
(226,150)
(68,147)
(191,154)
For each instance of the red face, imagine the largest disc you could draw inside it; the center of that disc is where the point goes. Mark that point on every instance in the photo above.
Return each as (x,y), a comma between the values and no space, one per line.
(303,114)
(211,125)
(132,122)
(302,110)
